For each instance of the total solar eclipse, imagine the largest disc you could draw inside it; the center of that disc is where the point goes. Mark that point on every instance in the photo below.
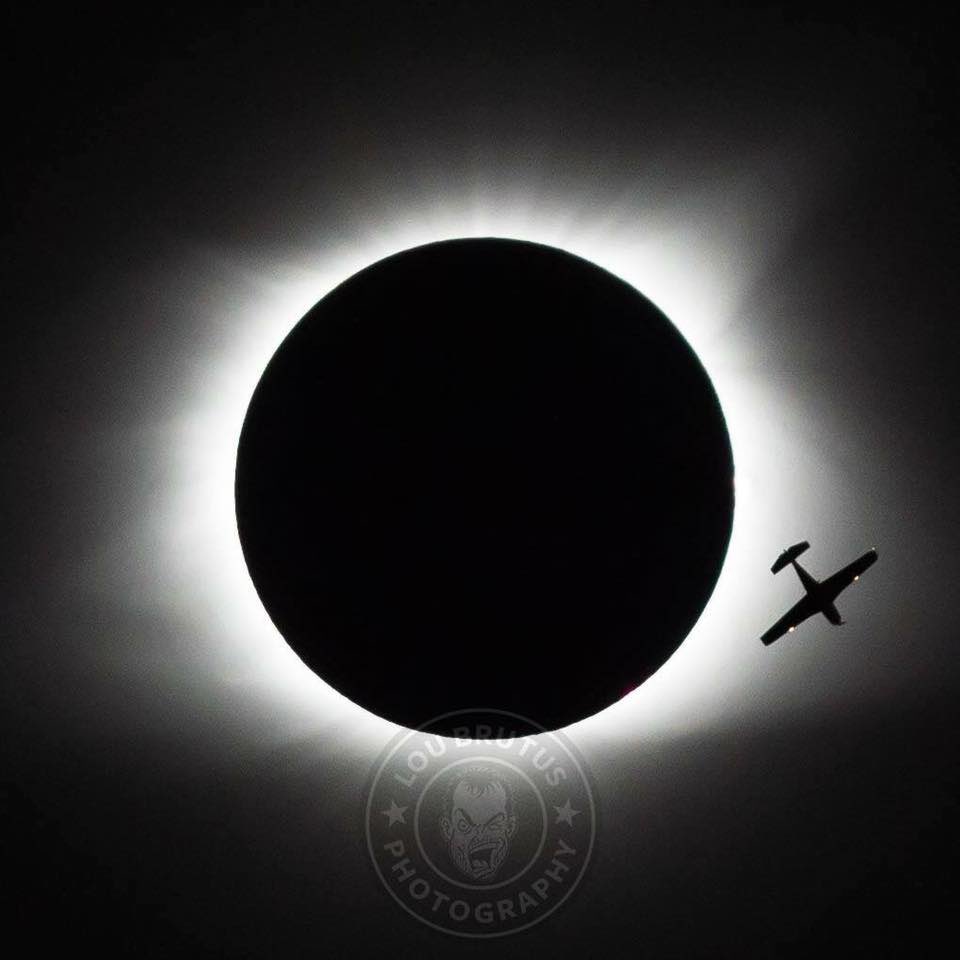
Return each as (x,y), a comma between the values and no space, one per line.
(484,474)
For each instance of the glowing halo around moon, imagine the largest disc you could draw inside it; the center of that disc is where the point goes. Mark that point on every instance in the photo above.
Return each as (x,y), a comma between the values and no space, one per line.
(250,307)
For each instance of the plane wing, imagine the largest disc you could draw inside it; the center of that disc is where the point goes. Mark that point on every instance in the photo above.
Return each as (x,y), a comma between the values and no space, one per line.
(843,578)
(802,609)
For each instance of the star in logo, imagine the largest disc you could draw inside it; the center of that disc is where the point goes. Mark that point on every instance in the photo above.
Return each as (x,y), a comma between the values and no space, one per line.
(565,813)
(394,814)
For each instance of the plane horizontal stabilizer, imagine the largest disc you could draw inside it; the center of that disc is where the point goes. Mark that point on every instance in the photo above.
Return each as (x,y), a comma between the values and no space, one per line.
(789,555)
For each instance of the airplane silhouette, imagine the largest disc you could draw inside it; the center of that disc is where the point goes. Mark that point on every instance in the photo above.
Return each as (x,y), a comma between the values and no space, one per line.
(820,594)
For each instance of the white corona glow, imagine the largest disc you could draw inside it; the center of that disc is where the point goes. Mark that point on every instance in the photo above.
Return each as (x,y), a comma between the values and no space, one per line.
(191,526)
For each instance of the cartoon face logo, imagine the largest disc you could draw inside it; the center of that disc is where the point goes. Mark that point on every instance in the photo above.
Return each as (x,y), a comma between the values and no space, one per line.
(482,834)
(478,821)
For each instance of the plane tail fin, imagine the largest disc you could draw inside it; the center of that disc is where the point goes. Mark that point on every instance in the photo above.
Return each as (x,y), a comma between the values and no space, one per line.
(789,555)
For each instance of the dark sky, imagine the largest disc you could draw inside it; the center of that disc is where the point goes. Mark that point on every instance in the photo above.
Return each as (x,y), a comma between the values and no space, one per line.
(182,186)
